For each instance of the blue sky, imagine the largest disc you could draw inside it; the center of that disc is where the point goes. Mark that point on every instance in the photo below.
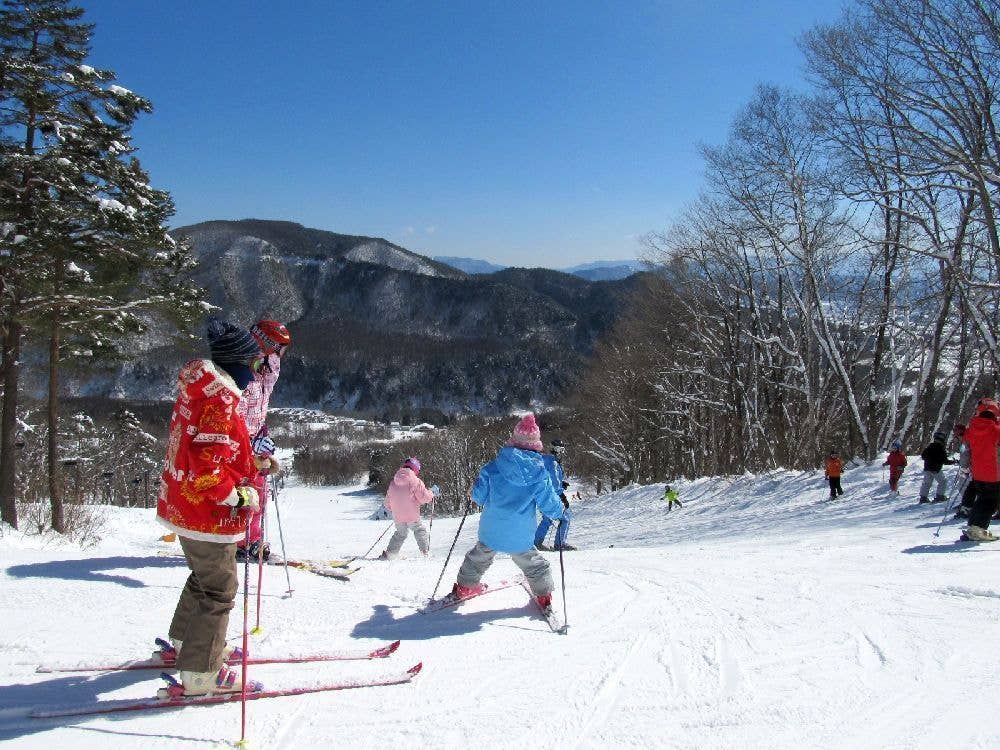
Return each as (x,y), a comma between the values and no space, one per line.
(541,133)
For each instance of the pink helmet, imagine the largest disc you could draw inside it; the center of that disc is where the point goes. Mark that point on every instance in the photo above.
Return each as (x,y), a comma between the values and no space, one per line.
(412,463)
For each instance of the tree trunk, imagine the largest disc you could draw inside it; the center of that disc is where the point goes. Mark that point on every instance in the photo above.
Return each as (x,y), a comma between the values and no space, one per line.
(8,422)
(55,477)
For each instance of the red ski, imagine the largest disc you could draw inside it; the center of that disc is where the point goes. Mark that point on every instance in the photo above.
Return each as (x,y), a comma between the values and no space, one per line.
(450,600)
(551,616)
(153,704)
(158,663)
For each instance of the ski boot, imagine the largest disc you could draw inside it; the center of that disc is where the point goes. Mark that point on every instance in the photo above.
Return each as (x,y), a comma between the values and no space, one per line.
(168,651)
(254,551)
(226,680)
(924,499)
(940,498)
(460,592)
(977,534)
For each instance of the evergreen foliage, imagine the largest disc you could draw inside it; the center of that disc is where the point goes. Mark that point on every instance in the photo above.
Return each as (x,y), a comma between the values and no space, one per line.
(86,260)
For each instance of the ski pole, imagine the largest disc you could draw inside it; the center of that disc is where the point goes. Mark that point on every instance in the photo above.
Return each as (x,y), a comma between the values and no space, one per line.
(281,534)
(246,617)
(376,541)
(958,491)
(468,507)
(562,575)
(260,565)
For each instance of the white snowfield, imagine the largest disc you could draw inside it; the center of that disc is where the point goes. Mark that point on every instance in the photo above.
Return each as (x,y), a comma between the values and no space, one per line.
(761,615)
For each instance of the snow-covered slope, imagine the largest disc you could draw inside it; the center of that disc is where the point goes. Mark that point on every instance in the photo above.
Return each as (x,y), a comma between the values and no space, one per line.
(385,253)
(759,615)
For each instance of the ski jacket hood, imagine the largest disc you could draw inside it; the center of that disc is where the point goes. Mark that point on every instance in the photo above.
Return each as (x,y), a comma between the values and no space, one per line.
(510,489)
(983,437)
(405,495)
(208,457)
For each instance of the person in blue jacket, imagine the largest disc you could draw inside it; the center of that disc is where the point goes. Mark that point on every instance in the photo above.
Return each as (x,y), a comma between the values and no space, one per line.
(553,464)
(509,489)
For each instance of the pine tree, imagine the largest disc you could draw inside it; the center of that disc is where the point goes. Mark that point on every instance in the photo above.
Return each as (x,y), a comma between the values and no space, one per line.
(88,261)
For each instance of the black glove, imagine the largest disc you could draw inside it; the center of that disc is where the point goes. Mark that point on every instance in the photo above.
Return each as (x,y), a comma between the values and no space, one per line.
(565,485)
(565,502)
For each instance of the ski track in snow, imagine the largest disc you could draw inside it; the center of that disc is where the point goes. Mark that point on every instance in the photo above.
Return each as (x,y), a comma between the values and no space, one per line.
(759,615)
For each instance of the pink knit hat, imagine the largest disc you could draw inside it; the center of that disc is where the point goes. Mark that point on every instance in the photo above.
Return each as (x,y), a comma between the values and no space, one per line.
(527,435)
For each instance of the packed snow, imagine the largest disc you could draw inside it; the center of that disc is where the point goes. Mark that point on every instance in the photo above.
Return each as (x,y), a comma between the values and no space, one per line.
(761,614)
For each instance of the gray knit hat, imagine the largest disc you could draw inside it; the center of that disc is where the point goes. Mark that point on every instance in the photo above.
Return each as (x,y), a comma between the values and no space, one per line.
(231,344)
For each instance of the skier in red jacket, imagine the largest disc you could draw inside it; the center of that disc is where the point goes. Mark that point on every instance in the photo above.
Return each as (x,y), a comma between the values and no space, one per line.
(896,461)
(206,495)
(983,437)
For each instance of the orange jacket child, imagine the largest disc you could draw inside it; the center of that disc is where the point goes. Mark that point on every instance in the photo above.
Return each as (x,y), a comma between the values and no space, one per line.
(834,468)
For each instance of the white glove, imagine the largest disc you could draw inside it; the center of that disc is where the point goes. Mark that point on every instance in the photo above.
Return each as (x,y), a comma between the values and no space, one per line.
(243,497)
(435,490)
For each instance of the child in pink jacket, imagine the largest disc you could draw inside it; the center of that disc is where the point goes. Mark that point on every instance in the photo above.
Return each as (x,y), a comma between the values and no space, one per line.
(274,340)
(405,496)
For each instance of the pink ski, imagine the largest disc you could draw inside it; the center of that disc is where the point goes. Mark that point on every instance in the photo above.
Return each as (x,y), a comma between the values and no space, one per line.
(162,663)
(153,704)
(450,600)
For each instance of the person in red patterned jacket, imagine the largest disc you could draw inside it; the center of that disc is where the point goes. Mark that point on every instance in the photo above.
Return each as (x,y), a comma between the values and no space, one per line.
(896,461)
(273,339)
(206,495)
(983,437)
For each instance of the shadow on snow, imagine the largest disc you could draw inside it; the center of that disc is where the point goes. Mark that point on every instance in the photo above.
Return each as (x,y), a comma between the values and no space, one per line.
(90,569)
(384,624)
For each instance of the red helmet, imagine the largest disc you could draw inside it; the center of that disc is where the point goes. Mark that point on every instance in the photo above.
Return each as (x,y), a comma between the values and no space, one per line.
(271,335)
(988,404)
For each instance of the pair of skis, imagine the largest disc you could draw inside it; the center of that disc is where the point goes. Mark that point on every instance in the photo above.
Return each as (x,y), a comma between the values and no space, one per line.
(144,704)
(554,620)
(339,569)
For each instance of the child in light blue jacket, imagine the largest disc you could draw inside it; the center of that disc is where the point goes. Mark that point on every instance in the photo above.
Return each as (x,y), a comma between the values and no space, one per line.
(510,489)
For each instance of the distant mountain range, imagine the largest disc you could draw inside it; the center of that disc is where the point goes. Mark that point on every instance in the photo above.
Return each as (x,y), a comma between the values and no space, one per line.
(601,270)
(382,331)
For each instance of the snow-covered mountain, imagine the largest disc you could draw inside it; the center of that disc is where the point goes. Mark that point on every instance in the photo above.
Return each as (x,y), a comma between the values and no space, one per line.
(469,265)
(600,270)
(759,615)
(383,331)
(606,270)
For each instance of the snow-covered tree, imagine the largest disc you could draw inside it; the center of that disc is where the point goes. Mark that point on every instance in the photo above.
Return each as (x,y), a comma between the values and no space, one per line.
(87,257)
